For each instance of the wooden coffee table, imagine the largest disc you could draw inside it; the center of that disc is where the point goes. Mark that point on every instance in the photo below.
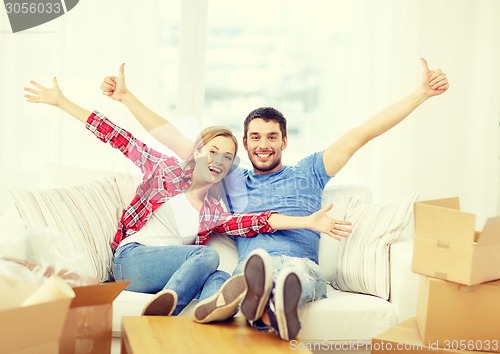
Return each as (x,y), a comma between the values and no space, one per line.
(180,334)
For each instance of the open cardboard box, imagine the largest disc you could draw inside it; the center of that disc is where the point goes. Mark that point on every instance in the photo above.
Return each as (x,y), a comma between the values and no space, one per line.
(33,329)
(88,322)
(87,329)
(450,313)
(405,338)
(448,247)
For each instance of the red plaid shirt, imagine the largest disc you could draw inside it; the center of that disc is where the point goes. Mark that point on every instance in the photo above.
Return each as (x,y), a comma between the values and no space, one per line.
(164,178)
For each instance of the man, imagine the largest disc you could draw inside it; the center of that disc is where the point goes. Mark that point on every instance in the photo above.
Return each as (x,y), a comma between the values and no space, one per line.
(281,269)
(287,275)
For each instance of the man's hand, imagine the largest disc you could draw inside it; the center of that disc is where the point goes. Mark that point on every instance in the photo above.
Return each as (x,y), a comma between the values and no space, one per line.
(321,222)
(41,94)
(114,86)
(433,81)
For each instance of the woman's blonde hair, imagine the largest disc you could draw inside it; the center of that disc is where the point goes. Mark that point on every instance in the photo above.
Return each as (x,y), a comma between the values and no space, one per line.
(205,136)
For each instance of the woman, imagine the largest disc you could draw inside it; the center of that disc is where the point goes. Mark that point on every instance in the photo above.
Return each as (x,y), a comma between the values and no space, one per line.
(158,245)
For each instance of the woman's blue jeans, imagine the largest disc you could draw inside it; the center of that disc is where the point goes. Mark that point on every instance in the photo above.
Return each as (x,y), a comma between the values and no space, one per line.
(188,270)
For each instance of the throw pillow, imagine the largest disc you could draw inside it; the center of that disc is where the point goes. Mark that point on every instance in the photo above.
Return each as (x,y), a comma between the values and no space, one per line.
(340,197)
(87,214)
(363,257)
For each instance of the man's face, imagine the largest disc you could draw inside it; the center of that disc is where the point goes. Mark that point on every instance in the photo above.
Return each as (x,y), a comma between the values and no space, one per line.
(264,143)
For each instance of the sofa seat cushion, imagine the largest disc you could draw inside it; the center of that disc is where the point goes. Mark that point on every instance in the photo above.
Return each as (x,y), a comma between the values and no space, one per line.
(130,303)
(346,316)
(341,316)
(127,303)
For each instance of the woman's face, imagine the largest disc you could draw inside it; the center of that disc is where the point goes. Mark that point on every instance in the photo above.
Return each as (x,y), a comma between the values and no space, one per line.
(215,159)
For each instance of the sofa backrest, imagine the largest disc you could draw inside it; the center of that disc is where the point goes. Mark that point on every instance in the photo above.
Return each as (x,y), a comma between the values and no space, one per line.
(339,196)
(55,175)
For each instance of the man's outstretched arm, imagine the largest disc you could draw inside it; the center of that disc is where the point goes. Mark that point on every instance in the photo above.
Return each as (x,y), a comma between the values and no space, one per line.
(434,83)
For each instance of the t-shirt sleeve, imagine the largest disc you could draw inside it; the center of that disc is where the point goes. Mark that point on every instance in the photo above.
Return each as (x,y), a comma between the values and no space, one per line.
(235,193)
(314,168)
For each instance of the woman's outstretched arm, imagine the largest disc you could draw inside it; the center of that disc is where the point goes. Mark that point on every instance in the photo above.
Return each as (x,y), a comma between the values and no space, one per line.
(251,224)
(105,130)
(54,97)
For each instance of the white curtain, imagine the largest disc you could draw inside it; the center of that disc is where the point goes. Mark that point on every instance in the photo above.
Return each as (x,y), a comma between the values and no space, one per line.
(449,146)
(81,48)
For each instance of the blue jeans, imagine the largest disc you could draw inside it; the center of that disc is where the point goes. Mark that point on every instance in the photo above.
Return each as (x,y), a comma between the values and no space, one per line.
(312,277)
(190,271)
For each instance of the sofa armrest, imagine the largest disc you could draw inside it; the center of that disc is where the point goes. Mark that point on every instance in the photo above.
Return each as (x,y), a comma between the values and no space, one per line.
(404,283)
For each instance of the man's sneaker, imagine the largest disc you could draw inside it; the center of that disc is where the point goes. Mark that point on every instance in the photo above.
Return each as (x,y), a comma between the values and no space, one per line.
(259,279)
(162,304)
(283,306)
(223,304)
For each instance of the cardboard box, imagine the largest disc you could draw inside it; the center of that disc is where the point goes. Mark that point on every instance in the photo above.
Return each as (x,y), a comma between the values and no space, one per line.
(448,247)
(88,324)
(33,329)
(87,329)
(452,313)
(405,338)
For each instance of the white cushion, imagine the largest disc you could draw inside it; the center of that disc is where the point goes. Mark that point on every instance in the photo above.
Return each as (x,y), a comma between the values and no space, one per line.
(127,303)
(404,283)
(346,316)
(131,303)
(356,316)
(363,258)
(339,197)
(226,247)
(57,176)
(87,215)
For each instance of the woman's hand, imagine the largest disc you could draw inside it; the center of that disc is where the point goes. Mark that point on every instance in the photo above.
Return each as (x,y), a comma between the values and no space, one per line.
(54,97)
(114,86)
(321,222)
(41,94)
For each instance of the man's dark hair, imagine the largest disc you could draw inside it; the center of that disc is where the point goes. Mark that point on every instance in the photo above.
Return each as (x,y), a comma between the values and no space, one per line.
(267,114)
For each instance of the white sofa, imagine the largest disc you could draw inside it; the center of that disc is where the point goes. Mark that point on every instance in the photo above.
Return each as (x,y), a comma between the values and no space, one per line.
(342,317)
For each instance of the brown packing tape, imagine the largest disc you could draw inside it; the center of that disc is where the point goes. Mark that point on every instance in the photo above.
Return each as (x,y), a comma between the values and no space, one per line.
(443,244)
(468,288)
(443,276)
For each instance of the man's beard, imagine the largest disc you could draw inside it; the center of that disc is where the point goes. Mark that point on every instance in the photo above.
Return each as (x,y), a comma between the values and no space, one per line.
(266,168)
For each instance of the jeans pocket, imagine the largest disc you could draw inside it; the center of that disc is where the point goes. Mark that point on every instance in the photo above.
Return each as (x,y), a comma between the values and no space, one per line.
(122,251)
(117,271)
